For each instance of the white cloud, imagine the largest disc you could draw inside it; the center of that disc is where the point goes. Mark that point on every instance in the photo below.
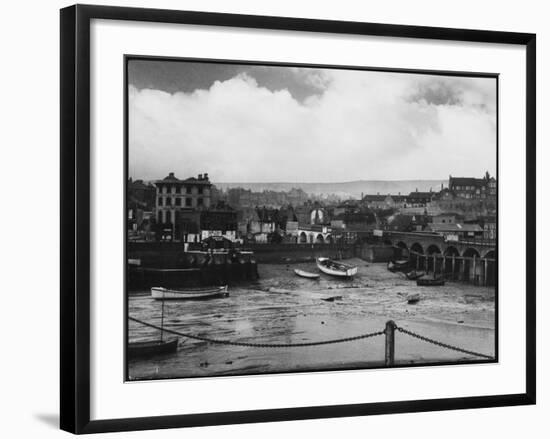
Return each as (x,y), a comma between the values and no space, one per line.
(364,126)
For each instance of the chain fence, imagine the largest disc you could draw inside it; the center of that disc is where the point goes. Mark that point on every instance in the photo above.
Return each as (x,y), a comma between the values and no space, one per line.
(261,345)
(314,343)
(441,344)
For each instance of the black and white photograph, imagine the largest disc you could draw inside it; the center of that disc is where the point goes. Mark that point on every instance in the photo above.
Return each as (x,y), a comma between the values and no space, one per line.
(289,218)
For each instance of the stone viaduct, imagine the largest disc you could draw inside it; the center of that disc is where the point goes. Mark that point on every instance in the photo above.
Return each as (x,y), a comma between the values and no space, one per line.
(467,260)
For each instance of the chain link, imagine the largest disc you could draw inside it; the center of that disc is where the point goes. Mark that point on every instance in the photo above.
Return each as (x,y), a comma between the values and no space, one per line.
(312,343)
(259,345)
(441,344)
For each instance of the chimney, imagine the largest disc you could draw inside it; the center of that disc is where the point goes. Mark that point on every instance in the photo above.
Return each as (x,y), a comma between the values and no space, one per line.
(416,189)
(206,175)
(200,176)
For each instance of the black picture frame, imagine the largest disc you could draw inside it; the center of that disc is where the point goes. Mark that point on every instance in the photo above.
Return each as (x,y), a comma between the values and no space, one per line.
(75,217)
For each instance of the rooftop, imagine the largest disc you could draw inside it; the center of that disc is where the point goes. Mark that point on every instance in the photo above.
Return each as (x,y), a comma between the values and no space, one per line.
(202,179)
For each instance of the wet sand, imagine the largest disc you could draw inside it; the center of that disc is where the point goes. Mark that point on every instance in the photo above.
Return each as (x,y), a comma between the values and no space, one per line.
(283,308)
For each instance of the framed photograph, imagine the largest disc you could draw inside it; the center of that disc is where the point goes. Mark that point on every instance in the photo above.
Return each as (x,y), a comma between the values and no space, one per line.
(268,218)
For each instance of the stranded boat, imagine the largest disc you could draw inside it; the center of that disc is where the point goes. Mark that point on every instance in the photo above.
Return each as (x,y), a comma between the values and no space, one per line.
(141,349)
(334,268)
(306,274)
(413,298)
(160,293)
(151,348)
(430,282)
(414,275)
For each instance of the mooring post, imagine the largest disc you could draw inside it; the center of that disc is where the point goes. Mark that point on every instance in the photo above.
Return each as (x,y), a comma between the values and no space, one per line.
(390,342)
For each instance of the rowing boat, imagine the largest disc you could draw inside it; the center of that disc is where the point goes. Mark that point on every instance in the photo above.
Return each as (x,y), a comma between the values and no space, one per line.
(160,293)
(141,349)
(430,282)
(337,269)
(306,274)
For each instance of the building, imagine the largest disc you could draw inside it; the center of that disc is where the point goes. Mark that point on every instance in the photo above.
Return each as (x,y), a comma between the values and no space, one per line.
(266,225)
(378,201)
(218,221)
(473,188)
(445,218)
(489,226)
(174,196)
(420,199)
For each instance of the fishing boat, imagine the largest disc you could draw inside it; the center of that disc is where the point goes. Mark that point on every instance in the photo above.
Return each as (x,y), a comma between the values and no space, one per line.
(430,282)
(306,274)
(414,275)
(141,349)
(413,298)
(160,293)
(334,268)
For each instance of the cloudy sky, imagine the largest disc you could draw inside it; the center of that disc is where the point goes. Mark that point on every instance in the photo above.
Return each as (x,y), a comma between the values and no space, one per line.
(245,123)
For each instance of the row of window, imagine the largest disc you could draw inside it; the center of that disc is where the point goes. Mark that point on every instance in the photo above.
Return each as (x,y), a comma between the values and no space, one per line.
(179,189)
(464,188)
(178,201)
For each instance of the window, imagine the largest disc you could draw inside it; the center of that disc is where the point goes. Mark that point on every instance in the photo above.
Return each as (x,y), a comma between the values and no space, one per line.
(178,201)
(168,201)
(199,201)
(178,189)
(159,201)
(200,191)
(188,202)
(188,189)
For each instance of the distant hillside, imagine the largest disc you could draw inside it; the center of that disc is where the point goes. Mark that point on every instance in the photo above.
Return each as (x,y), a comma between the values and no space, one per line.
(350,189)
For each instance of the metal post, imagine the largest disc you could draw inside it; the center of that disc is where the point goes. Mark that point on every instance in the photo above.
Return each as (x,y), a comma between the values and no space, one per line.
(435,264)
(390,342)
(417,262)
(485,269)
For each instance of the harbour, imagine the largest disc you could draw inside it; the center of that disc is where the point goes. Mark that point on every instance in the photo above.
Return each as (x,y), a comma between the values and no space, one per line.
(281,307)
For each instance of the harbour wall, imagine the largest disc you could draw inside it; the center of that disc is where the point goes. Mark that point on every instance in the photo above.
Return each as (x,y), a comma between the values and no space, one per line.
(173,255)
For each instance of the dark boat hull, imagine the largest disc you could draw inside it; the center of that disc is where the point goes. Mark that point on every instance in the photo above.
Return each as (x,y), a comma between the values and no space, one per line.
(144,349)
(430,282)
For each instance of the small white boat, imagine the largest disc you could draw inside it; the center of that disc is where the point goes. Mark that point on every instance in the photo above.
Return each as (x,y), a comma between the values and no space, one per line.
(306,274)
(160,293)
(334,268)
(413,298)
